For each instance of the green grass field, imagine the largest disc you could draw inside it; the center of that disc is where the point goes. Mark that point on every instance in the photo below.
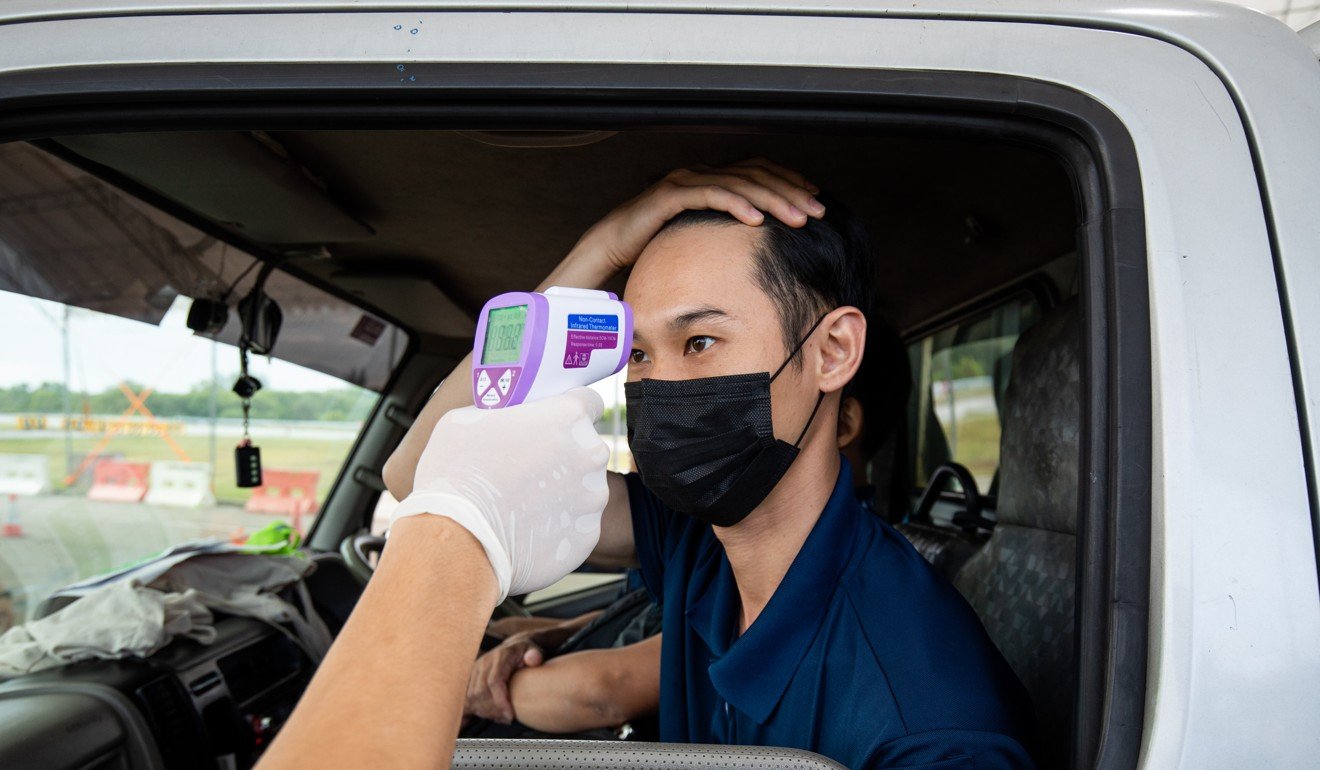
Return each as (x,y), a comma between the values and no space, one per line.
(978,447)
(325,456)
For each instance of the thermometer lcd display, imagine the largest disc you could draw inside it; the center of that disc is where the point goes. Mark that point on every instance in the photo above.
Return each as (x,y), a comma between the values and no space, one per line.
(504,333)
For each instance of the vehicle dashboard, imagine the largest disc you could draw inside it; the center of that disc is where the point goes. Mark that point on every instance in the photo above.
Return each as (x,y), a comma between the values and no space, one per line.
(188,705)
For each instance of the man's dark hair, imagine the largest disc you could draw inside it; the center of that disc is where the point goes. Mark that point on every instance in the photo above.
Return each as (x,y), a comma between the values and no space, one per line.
(882,385)
(807,271)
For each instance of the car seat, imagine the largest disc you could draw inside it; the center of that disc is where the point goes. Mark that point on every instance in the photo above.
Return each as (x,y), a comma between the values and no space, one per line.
(1021,583)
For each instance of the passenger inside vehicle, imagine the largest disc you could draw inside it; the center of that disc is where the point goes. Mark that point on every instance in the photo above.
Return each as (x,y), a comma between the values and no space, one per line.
(981,284)
(740,534)
(598,675)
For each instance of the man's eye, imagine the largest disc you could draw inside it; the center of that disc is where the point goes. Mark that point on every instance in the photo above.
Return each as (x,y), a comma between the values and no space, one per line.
(699,344)
(638,356)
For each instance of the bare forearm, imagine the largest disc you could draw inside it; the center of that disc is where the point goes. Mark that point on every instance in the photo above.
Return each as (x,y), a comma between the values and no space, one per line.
(455,392)
(616,547)
(390,691)
(557,698)
(590,689)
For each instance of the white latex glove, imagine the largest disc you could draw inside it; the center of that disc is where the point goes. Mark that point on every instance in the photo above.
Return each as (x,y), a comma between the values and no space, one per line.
(527,481)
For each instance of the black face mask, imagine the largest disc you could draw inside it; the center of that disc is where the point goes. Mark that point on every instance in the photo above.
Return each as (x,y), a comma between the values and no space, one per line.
(706,447)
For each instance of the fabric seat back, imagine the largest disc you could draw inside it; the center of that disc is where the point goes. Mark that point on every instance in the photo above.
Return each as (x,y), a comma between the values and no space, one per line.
(1021,582)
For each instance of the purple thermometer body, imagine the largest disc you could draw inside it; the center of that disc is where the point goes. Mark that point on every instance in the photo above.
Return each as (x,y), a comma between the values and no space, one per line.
(530,345)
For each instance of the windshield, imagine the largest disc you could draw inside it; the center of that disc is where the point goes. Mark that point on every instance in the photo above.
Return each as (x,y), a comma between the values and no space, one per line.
(118,425)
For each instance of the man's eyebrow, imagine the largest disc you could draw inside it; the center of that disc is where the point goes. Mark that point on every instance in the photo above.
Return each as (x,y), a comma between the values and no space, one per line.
(687,318)
(684,320)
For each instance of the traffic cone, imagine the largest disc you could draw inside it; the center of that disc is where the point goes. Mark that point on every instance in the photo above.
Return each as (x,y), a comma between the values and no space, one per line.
(12,526)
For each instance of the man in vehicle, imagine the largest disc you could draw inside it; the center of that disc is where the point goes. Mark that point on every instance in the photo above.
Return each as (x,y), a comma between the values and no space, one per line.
(601,669)
(791,617)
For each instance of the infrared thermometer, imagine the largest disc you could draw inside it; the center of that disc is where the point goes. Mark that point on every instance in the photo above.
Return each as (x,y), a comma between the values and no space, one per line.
(530,345)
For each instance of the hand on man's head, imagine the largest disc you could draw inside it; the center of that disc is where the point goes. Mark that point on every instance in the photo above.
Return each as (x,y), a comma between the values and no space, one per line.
(743,190)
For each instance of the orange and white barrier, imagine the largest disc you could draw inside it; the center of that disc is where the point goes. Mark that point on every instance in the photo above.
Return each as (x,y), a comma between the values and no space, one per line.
(120,482)
(285,493)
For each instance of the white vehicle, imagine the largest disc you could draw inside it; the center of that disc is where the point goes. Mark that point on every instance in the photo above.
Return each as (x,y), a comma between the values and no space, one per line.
(1142,179)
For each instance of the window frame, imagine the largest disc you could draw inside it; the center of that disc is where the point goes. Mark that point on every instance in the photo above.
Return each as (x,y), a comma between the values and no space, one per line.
(1092,143)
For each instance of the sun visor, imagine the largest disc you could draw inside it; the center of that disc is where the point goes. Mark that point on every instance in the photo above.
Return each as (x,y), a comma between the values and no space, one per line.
(68,237)
(242,181)
(412,294)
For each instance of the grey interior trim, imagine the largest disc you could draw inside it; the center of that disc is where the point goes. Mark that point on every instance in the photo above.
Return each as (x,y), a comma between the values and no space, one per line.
(139,744)
(172,169)
(349,507)
(546,754)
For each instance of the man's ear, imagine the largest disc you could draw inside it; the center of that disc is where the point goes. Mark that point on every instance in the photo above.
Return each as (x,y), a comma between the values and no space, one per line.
(839,352)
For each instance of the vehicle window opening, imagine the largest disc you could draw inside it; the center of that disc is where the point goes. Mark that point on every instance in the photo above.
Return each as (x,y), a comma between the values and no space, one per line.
(966,357)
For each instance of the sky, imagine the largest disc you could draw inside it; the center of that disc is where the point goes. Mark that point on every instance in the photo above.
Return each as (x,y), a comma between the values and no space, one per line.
(105,349)
(1294,13)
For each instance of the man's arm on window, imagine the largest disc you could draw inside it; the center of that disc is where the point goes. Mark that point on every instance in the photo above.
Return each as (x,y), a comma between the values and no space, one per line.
(616,547)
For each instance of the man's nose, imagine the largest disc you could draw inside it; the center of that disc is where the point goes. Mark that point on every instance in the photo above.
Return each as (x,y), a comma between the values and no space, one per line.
(668,368)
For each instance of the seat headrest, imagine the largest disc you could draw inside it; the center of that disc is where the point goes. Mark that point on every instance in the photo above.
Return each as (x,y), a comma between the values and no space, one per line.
(1039,450)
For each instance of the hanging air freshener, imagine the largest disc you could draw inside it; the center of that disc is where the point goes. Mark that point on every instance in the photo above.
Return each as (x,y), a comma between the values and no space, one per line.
(247,458)
(247,461)
(261,319)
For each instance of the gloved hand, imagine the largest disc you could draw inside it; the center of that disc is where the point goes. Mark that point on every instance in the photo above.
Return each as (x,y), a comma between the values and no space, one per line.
(527,481)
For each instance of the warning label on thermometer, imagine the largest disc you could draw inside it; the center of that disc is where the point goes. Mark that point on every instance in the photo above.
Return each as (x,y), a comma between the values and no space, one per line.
(593,322)
(578,347)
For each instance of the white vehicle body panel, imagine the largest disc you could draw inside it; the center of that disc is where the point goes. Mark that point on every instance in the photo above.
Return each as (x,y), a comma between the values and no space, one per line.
(1234,677)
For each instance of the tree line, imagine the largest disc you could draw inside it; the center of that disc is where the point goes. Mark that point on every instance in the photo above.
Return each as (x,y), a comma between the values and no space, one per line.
(326,405)
(351,404)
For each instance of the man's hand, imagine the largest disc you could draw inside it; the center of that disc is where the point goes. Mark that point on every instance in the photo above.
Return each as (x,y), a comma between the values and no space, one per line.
(743,190)
(488,687)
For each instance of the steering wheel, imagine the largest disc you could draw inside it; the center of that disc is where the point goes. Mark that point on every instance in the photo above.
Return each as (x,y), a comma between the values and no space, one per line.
(970,519)
(357,549)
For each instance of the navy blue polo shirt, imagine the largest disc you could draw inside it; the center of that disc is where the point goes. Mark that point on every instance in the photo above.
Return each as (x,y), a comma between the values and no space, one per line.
(864,653)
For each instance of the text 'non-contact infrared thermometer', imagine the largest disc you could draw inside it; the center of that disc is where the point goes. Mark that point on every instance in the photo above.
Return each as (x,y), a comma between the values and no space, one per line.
(531,345)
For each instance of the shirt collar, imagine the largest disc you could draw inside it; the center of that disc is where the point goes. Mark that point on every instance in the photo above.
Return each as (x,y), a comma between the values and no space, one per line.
(753,671)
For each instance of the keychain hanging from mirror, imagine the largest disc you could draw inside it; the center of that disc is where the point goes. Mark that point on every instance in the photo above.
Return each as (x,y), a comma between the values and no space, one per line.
(247,458)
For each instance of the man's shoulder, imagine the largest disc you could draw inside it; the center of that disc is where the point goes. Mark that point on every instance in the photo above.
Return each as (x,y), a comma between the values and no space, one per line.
(941,667)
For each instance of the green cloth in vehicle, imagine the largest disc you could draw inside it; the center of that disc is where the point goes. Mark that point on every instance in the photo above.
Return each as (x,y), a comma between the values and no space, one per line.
(276,533)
